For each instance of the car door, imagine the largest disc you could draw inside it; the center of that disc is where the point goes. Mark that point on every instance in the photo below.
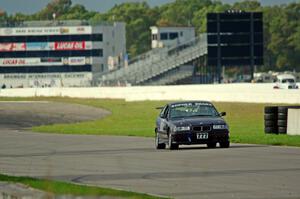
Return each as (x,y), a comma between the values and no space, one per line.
(164,123)
(159,120)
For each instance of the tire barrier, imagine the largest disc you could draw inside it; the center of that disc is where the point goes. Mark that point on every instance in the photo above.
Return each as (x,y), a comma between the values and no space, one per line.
(271,114)
(275,119)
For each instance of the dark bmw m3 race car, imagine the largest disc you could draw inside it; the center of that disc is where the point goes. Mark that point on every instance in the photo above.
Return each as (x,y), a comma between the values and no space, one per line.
(192,122)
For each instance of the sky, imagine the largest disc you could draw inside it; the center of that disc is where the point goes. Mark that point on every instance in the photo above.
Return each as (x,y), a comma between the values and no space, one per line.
(32,6)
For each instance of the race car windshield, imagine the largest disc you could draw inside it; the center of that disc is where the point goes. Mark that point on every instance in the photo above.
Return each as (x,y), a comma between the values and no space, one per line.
(193,110)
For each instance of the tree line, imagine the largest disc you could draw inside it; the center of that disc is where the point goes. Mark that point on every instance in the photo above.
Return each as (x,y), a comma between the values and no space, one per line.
(281,23)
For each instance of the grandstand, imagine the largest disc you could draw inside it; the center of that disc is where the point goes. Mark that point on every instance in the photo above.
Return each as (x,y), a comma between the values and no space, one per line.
(160,66)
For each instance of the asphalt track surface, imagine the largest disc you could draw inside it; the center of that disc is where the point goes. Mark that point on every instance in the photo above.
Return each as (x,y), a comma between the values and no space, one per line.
(132,163)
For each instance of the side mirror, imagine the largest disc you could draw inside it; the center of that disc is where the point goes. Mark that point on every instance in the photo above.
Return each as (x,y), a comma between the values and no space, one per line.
(222,114)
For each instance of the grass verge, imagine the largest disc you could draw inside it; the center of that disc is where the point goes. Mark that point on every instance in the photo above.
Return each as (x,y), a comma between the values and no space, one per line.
(138,119)
(63,188)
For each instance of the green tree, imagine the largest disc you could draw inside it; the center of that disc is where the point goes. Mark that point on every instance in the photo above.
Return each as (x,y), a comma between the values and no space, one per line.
(248,5)
(268,14)
(293,17)
(199,19)
(77,12)
(138,18)
(59,7)
(181,12)
(3,16)
(283,31)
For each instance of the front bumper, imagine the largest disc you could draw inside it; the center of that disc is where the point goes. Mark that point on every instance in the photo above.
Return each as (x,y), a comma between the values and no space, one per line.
(188,138)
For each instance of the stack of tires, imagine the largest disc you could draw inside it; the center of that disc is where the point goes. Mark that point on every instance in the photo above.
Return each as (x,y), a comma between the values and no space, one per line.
(282,119)
(271,119)
(276,119)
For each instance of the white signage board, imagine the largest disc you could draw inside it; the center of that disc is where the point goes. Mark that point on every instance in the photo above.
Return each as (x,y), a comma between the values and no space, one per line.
(62,30)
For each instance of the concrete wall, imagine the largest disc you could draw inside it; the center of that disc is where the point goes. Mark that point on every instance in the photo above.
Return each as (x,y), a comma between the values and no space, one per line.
(258,93)
(293,125)
(18,80)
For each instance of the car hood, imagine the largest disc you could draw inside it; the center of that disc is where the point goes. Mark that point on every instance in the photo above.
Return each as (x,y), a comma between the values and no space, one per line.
(196,121)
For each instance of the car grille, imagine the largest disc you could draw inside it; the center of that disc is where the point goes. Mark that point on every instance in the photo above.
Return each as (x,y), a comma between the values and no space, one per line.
(202,128)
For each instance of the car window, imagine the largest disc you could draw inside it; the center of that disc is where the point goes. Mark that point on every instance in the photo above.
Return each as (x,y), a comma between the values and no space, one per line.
(191,110)
(164,112)
(291,80)
(288,81)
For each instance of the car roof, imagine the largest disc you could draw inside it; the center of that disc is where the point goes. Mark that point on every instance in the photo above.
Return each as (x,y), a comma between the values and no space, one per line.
(185,102)
(286,76)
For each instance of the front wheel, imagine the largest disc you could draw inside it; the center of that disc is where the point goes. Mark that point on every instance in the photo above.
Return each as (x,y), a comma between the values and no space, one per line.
(225,144)
(159,145)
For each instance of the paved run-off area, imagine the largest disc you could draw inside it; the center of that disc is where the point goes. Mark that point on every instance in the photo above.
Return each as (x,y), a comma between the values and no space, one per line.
(132,163)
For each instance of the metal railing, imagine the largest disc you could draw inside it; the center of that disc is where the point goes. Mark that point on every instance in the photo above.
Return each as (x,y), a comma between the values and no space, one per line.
(173,76)
(157,62)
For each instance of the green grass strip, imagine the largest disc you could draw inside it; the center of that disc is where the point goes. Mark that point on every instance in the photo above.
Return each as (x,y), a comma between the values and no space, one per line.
(246,120)
(64,188)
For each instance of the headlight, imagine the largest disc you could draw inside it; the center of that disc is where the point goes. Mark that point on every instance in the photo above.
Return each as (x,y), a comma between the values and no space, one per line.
(182,128)
(220,126)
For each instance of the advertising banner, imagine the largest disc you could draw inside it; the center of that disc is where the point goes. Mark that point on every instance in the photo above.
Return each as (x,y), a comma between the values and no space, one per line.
(70,45)
(46,30)
(19,61)
(32,46)
(30,61)
(45,46)
(46,61)
(76,60)
(4,47)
